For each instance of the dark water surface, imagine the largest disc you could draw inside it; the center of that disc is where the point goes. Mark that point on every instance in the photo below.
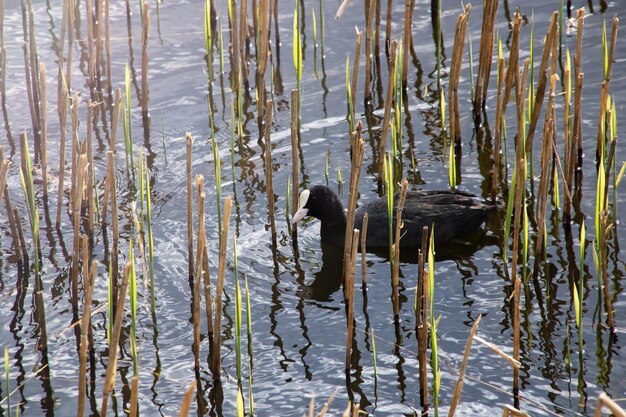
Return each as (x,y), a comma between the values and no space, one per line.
(298,318)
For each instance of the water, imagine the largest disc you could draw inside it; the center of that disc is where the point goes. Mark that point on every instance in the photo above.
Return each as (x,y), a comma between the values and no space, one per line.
(297,308)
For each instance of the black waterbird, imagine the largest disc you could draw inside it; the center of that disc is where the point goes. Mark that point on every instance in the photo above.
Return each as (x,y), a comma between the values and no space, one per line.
(451,213)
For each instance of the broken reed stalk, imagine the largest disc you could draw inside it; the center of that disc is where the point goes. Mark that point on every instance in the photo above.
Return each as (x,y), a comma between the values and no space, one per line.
(459,383)
(578,84)
(514,363)
(605,401)
(498,131)
(387,114)
(369,21)
(85,325)
(62,110)
(406,40)
(512,73)
(349,291)
(188,144)
(44,133)
(89,186)
(186,404)
(388,31)
(542,79)
(197,276)
(217,324)
(77,193)
(295,181)
(109,380)
(545,174)
(269,187)
(4,169)
(486,52)
(567,138)
(356,145)
(512,411)
(421,319)
(455,73)
(355,71)
(364,252)
(395,276)
(145,32)
(134,395)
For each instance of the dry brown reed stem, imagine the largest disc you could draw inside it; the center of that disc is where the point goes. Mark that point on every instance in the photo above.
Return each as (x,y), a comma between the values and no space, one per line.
(197,276)
(134,396)
(269,183)
(377,28)
(75,148)
(44,132)
(243,42)
(89,191)
(295,181)
(262,54)
(355,70)
(512,411)
(364,251)
(512,73)
(77,192)
(107,42)
(578,78)
(89,275)
(30,69)
(90,46)
(388,30)
(369,22)
(545,173)
(208,299)
(70,5)
(520,93)
(514,363)
(217,323)
(542,78)
(62,110)
(387,115)
(145,33)
(455,74)
(605,401)
(98,41)
(349,292)
(406,40)
(421,319)
(395,276)
(497,137)
(188,144)
(186,404)
(459,383)
(356,146)
(115,223)
(490,11)
(4,169)
(234,49)
(109,379)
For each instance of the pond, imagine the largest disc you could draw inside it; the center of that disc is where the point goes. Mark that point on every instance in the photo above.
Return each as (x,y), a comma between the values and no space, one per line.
(297,347)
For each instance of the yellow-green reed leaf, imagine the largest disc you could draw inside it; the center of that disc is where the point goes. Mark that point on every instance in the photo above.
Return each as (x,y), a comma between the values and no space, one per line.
(568,80)
(555,186)
(240,408)
(577,306)
(605,51)
(620,175)
(500,54)
(613,121)
(525,217)
(509,215)
(7,377)
(596,256)
(221,40)
(451,166)
(374,353)
(297,47)
(339,176)
(314,26)
(230,11)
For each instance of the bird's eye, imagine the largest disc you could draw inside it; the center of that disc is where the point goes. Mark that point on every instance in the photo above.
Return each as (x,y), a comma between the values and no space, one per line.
(304,197)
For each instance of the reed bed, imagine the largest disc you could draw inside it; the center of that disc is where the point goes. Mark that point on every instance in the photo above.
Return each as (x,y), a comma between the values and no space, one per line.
(104,227)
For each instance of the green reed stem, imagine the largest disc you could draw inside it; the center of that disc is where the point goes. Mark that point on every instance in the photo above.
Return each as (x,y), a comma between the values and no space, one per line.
(29,195)
(374,355)
(237,317)
(434,354)
(133,308)
(249,329)
(581,288)
(150,241)
(7,378)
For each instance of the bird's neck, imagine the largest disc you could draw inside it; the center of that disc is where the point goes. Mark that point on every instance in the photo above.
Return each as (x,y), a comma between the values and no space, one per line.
(333,230)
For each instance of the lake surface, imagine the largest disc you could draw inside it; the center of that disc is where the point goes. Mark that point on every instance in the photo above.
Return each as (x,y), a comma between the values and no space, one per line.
(298,317)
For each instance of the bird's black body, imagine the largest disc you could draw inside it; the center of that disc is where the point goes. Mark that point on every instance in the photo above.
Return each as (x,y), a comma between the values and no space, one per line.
(452,213)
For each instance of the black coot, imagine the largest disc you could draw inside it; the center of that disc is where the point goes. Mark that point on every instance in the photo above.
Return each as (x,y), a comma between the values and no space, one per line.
(453,214)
